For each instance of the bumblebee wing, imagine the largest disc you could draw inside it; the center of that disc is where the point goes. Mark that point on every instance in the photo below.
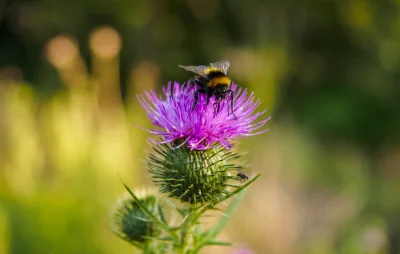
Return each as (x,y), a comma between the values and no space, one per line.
(222,65)
(199,70)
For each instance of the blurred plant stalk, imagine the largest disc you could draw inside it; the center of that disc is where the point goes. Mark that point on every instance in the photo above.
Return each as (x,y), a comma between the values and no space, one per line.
(105,44)
(63,53)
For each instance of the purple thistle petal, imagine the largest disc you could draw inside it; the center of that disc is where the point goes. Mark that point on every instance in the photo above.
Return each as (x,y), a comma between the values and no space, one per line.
(202,128)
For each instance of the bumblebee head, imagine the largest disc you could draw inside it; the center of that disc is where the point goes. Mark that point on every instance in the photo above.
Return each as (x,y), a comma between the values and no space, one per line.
(220,91)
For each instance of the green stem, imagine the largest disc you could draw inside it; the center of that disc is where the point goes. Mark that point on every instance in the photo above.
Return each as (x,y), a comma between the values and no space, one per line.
(185,233)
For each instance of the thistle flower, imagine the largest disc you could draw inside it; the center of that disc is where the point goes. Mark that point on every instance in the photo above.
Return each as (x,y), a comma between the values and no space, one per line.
(201,128)
(192,163)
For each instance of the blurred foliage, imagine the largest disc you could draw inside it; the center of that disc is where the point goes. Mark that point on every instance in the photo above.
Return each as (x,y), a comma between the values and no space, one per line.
(327,69)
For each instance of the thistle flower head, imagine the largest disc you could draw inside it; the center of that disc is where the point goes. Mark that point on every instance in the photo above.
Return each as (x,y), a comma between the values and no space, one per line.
(201,128)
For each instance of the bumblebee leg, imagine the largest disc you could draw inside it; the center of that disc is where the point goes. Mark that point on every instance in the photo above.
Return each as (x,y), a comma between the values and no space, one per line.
(232,94)
(217,107)
(172,92)
(192,81)
(210,92)
(196,97)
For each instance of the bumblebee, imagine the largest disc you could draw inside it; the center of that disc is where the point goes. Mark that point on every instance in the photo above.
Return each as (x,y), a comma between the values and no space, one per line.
(213,81)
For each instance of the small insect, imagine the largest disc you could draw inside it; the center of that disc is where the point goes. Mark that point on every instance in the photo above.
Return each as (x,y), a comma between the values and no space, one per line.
(243,177)
(212,81)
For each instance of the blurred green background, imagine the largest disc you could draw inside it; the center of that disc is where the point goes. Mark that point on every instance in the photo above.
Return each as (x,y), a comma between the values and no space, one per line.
(326,69)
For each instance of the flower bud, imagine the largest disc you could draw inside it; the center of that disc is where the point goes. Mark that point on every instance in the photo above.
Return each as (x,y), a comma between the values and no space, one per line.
(131,223)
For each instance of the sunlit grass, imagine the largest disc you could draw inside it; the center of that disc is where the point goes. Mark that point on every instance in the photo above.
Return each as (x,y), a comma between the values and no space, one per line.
(60,158)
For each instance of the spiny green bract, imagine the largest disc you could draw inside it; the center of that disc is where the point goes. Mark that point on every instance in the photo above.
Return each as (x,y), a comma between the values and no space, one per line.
(131,223)
(195,177)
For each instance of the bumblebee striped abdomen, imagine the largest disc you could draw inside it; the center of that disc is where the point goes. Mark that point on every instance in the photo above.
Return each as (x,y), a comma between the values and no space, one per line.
(217,78)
